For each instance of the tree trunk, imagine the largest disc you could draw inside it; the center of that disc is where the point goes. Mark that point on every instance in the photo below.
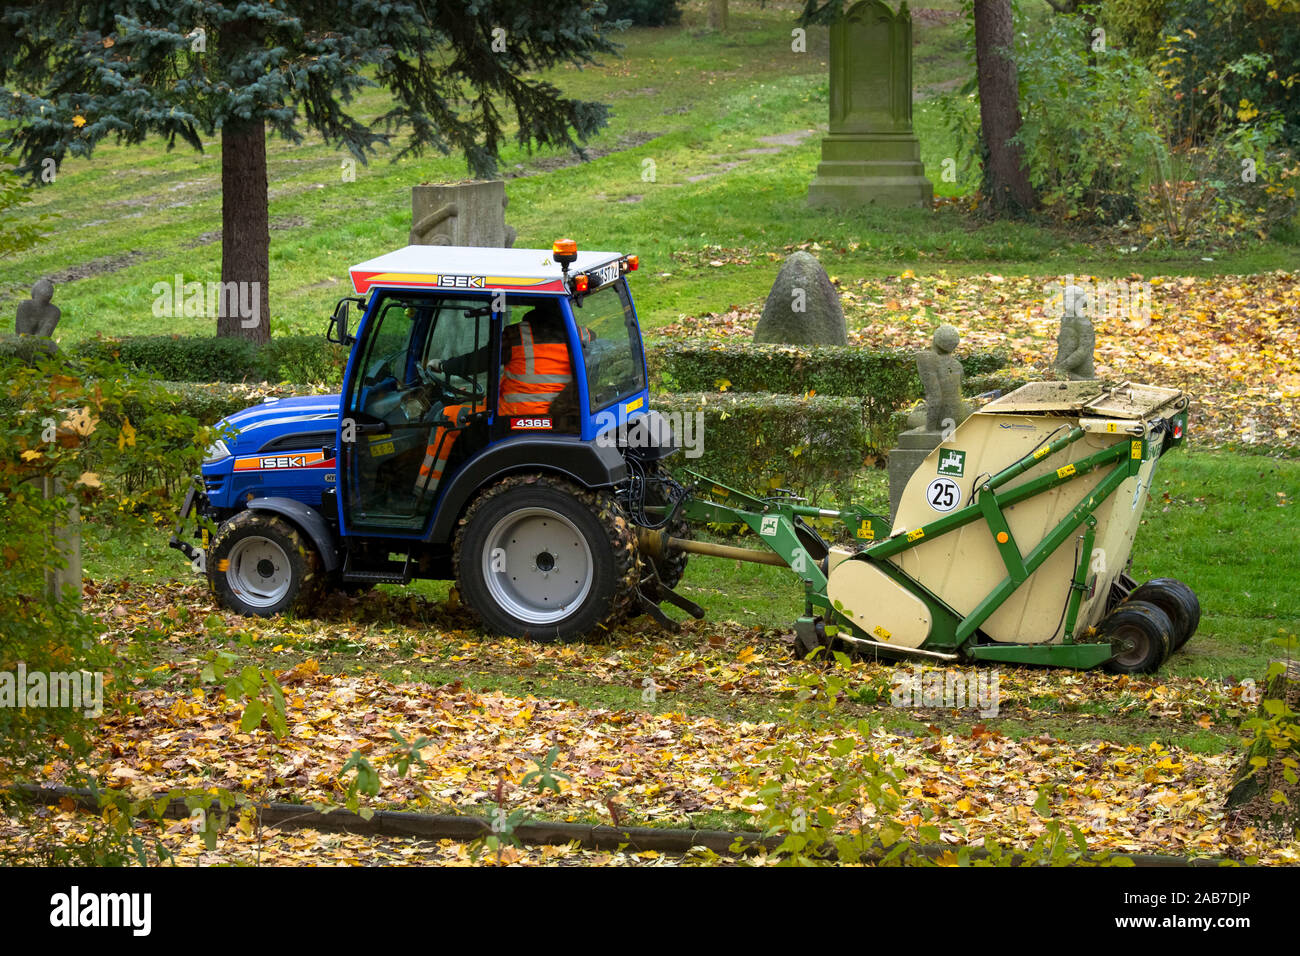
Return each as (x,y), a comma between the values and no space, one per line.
(245,234)
(1005,176)
(1251,796)
(718,15)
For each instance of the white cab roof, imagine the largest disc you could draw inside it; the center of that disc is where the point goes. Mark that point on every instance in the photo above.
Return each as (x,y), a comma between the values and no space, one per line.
(471,267)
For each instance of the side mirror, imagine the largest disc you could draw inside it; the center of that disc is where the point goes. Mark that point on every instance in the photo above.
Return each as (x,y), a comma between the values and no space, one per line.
(338,327)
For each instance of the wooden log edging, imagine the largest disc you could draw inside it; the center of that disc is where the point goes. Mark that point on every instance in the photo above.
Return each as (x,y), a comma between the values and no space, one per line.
(464,828)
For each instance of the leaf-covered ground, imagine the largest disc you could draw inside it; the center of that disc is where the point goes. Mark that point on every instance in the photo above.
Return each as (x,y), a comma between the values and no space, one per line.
(655,728)
(1231,342)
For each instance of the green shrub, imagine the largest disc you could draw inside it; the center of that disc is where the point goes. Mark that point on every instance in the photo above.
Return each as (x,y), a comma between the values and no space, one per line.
(757,442)
(883,380)
(83,433)
(295,358)
(24,349)
(1086,128)
(210,402)
(643,13)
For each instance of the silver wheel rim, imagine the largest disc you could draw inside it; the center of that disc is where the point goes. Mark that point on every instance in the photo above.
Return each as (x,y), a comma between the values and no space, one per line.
(259,573)
(1132,645)
(537,565)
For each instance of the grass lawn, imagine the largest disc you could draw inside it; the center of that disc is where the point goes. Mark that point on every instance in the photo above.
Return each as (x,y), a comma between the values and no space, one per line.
(712,145)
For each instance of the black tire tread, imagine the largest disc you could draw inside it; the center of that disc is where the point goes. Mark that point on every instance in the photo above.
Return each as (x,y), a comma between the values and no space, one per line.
(619,529)
(311,582)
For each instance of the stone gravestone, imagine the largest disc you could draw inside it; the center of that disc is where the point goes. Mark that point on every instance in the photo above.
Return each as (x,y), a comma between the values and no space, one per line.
(871,155)
(803,307)
(1077,339)
(944,409)
(460,214)
(38,315)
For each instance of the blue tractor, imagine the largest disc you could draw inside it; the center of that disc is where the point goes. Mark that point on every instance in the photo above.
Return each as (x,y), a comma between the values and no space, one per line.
(493,429)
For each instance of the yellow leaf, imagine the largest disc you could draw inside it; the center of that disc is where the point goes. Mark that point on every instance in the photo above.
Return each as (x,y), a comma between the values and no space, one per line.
(31,454)
(89,479)
(126,436)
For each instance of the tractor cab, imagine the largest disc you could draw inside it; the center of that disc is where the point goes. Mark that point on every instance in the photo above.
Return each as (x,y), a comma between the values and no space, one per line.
(460,349)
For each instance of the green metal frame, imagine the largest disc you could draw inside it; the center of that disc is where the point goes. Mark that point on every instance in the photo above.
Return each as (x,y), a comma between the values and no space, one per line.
(773,520)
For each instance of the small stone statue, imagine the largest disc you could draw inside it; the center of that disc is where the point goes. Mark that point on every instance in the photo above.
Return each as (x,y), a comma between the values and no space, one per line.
(941,375)
(37,316)
(1076,340)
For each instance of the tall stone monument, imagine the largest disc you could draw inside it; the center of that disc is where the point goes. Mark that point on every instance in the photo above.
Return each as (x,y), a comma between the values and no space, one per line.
(460,214)
(871,155)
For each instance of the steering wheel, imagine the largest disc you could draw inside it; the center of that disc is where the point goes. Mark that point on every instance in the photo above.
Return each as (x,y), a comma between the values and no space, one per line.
(444,383)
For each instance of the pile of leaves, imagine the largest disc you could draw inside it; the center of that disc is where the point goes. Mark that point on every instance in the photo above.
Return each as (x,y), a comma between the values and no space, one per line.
(683,746)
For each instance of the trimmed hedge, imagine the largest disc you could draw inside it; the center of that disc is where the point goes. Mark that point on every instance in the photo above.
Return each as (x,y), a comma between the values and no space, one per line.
(211,402)
(755,442)
(814,446)
(25,348)
(884,379)
(180,358)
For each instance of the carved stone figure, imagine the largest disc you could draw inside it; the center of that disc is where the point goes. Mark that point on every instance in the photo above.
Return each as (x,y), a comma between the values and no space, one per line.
(37,315)
(941,377)
(1077,339)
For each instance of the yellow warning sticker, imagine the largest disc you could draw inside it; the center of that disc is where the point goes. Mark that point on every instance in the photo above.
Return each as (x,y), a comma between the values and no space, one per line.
(1041,452)
(1065,471)
(1137,449)
(915,535)
(881,633)
(1112,427)
(866,532)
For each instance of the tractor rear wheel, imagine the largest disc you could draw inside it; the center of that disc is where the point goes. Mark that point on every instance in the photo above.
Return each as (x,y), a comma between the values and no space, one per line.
(1141,635)
(260,564)
(1177,600)
(541,557)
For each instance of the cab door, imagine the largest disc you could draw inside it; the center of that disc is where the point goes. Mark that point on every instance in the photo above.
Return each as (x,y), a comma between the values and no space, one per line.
(403,429)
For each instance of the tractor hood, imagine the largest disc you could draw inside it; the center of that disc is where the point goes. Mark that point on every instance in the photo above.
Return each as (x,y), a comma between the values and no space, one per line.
(277,417)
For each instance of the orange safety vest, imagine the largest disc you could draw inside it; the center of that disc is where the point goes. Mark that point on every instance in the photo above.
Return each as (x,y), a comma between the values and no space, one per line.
(538,369)
(438,450)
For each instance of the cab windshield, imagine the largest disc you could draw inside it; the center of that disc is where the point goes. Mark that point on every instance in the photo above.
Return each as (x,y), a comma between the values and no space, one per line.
(612,354)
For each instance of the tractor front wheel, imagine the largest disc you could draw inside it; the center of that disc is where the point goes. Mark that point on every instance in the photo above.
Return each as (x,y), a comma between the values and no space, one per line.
(260,564)
(541,557)
(1141,635)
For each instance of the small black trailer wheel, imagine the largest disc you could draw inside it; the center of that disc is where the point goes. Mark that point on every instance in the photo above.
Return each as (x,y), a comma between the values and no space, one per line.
(1177,600)
(1141,635)
(260,564)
